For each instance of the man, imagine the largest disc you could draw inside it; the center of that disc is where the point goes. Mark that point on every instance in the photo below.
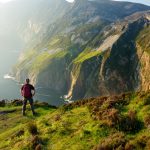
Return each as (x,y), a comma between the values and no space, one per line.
(27,91)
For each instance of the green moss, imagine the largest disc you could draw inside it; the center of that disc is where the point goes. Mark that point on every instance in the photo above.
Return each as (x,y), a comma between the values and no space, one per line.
(85,55)
(43,60)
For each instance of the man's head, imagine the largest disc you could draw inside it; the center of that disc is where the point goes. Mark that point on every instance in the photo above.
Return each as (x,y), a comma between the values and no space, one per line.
(27,81)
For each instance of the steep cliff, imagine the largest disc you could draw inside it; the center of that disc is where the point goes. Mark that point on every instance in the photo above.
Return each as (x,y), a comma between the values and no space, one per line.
(120,64)
(91,50)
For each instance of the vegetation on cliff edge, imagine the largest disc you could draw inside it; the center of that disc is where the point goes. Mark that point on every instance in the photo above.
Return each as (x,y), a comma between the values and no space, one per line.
(116,122)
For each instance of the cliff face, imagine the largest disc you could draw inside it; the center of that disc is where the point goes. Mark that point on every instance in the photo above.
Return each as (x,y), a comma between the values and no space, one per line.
(143,46)
(120,68)
(89,52)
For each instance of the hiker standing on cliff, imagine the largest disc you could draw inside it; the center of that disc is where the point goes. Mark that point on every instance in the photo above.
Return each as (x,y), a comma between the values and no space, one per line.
(27,91)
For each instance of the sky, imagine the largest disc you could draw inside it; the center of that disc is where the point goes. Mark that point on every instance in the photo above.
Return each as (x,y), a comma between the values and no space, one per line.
(146,2)
(6,1)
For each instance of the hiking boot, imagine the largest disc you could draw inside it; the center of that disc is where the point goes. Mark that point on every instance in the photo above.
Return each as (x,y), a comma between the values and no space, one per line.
(34,113)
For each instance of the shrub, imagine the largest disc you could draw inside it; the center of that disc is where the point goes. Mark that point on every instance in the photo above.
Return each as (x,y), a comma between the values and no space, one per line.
(130,123)
(17,102)
(17,134)
(107,123)
(141,94)
(57,117)
(132,115)
(114,116)
(138,143)
(38,147)
(147,145)
(32,128)
(86,132)
(146,100)
(129,146)
(44,104)
(114,141)
(64,128)
(147,120)
(2,103)
(35,143)
(142,141)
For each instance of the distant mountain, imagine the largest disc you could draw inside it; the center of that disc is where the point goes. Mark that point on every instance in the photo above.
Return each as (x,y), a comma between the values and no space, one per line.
(29,17)
(86,48)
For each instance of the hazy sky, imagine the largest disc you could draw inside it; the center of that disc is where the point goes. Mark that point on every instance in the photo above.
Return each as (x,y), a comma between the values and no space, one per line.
(5,1)
(147,2)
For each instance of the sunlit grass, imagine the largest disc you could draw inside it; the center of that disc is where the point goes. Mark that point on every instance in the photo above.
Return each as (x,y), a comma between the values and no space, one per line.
(78,126)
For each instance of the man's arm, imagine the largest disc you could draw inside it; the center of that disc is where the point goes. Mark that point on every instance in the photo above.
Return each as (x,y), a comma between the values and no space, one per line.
(21,90)
(33,90)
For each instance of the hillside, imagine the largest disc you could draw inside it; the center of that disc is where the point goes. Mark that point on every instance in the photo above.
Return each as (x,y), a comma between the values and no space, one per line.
(88,50)
(119,122)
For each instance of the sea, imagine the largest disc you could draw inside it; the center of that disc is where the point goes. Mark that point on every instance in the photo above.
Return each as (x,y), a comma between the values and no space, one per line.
(10,88)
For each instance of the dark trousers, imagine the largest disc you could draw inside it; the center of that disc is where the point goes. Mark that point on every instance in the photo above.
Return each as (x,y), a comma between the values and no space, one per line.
(25,103)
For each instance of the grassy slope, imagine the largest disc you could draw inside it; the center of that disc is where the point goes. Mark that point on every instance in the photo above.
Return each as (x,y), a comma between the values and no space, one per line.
(119,121)
(58,129)
(86,55)
(143,39)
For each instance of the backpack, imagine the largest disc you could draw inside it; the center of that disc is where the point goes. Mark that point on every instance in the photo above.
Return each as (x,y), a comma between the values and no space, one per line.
(26,91)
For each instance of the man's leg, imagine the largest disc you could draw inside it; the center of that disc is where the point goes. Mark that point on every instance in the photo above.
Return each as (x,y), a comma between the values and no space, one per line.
(31,105)
(24,106)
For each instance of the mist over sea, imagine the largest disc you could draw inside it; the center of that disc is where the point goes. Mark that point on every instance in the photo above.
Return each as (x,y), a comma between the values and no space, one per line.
(8,88)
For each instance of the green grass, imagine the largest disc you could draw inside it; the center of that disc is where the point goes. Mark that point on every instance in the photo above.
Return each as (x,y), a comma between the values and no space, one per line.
(85,55)
(76,126)
(11,123)
(73,129)
(43,60)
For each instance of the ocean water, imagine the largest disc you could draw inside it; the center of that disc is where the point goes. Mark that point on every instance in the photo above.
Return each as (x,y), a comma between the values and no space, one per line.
(10,89)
